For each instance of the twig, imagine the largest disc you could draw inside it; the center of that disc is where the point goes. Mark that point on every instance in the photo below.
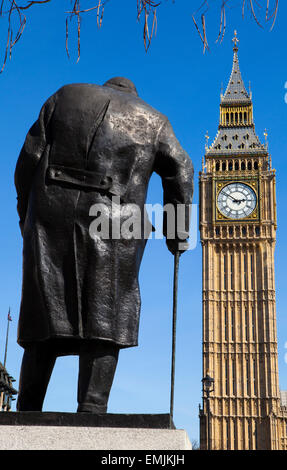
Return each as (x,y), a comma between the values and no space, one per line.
(253,5)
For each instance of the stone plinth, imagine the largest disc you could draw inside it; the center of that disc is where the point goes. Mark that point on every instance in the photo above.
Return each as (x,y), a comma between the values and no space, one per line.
(85,431)
(82,438)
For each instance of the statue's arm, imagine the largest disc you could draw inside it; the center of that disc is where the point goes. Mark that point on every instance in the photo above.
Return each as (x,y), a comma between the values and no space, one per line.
(175,168)
(31,152)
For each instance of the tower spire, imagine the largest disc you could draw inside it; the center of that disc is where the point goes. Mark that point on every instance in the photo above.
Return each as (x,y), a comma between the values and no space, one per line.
(236,91)
(236,131)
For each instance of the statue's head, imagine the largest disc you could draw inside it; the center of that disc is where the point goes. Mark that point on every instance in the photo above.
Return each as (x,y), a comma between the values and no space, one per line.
(122,84)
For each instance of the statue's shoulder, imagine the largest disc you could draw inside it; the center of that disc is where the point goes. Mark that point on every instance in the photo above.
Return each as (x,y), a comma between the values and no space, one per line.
(80,91)
(78,88)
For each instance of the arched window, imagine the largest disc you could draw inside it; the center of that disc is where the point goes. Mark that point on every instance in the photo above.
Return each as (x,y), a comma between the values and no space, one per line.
(255,165)
(247,377)
(230,166)
(232,324)
(236,166)
(226,377)
(245,270)
(249,165)
(227,427)
(250,439)
(223,166)
(243,166)
(233,377)
(224,272)
(252,272)
(253,325)
(225,324)
(217,166)
(246,324)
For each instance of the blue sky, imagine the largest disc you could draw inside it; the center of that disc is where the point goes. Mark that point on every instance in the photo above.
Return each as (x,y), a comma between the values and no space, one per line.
(183,83)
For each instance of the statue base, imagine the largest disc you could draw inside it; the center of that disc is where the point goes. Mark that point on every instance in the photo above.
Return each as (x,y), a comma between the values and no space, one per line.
(87,431)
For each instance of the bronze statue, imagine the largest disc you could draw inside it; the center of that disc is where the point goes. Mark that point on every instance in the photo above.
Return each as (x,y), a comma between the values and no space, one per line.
(80,294)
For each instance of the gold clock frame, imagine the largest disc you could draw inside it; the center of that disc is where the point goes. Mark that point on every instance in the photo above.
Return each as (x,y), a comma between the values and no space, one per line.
(220,183)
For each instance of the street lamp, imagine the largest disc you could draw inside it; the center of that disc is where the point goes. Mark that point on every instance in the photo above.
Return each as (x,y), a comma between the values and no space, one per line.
(207,388)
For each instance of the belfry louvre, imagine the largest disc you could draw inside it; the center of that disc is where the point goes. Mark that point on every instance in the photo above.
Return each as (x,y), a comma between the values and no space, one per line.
(238,235)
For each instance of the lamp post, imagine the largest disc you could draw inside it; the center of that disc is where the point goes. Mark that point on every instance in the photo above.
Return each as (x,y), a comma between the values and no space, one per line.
(207,388)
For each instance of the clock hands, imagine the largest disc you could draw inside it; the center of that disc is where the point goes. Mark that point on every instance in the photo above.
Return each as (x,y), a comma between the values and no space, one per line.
(237,201)
(228,195)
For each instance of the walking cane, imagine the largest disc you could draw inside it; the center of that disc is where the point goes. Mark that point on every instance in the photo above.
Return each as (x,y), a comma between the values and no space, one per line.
(175,288)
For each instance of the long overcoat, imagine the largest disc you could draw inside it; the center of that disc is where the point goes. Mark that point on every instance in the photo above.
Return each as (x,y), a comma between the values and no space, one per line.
(90,145)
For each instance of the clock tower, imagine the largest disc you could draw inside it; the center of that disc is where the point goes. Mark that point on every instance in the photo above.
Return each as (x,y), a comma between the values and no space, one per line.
(238,228)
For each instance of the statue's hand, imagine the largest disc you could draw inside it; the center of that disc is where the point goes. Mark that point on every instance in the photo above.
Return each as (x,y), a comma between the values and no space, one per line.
(175,245)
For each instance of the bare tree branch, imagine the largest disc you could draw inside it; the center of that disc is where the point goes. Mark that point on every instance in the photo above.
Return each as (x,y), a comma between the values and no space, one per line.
(16,10)
(254,6)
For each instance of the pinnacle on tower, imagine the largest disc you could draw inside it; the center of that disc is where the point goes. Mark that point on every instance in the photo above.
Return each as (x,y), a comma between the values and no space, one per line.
(236,91)
(236,131)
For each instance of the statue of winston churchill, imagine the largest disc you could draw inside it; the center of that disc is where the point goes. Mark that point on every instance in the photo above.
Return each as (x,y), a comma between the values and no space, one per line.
(80,294)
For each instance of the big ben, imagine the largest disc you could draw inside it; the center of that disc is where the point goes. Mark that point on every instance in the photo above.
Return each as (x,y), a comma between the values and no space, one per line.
(238,234)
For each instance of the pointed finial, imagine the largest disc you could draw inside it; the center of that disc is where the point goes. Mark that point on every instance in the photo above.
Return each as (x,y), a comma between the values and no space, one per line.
(250,91)
(236,41)
(266,138)
(207,139)
(221,90)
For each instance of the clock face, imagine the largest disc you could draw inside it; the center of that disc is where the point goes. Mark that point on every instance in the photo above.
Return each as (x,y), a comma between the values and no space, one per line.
(236,201)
